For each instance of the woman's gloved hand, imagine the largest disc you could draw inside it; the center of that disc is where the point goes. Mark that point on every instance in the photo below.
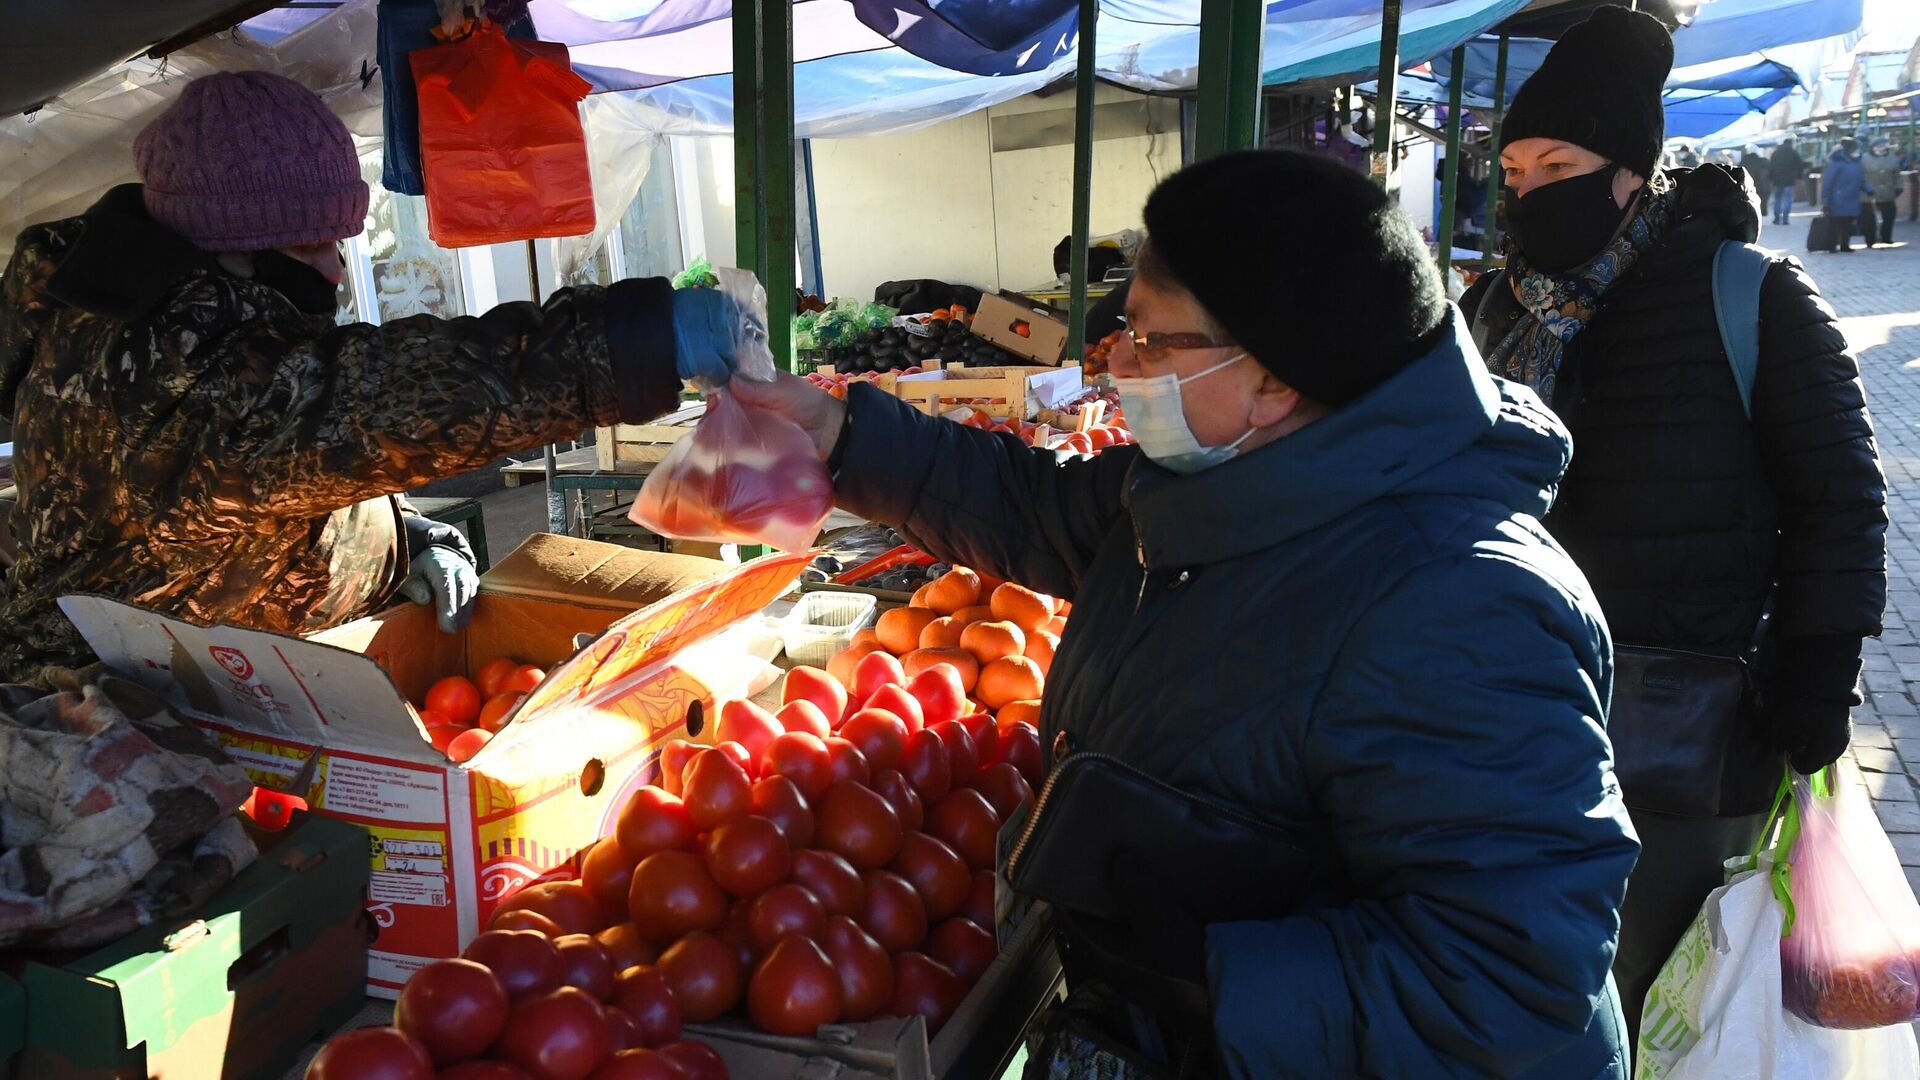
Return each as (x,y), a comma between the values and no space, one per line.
(706,334)
(440,577)
(1808,711)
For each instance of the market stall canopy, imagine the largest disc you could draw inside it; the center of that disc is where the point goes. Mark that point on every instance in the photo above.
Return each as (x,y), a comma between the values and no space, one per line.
(51,46)
(1695,115)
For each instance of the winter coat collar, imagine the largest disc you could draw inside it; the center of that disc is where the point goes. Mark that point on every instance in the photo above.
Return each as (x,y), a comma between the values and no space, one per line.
(124,263)
(1443,425)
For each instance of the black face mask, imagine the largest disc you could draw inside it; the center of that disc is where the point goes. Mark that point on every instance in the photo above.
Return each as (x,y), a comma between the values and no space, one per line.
(309,289)
(1562,225)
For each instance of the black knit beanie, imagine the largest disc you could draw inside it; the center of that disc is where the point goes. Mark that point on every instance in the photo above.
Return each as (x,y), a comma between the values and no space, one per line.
(1308,264)
(1599,88)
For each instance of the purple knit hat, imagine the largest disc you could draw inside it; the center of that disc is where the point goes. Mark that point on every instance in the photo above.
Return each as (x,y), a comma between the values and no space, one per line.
(249,160)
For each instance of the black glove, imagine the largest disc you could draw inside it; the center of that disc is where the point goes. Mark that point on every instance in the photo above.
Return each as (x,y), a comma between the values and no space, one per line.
(1808,711)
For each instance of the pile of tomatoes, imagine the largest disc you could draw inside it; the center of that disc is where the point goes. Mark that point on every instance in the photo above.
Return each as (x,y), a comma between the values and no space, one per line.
(462,714)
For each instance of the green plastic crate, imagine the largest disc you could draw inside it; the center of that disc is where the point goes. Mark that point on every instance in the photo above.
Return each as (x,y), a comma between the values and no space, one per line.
(13,1022)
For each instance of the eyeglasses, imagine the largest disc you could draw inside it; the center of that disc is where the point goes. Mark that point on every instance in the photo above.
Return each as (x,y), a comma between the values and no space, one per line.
(1157,342)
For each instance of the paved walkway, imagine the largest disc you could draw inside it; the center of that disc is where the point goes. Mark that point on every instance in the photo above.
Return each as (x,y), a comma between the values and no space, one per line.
(1877,294)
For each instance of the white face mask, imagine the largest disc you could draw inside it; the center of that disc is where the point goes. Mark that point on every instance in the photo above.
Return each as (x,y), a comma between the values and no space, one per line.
(1158,419)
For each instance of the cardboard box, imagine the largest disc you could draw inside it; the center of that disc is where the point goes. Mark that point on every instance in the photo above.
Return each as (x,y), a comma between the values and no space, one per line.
(273,961)
(451,841)
(1003,316)
(1009,392)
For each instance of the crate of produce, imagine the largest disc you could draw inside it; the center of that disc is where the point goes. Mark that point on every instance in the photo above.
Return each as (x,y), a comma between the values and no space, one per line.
(235,992)
(629,445)
(1023,326)
(823,623)
(1000,392)
(890,578)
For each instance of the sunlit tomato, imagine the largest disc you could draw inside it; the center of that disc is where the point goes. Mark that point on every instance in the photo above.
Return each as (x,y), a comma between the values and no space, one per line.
(705,975)
(442,735)
(894,698)
(468,743)
(371,1054)
(585,965)
(813,684)
(717,790)
(525,962)
(779,801)
(968,825)
(1020,748)
(865,970)
(894,787)
(654,821)
(556,1036)
(962,755)
(568,903)
(674,757)
(832,880)
(979,906)
(482,1070)
(493,715)
(748,855)
(607,872)
(625,947)
(739,755)
(794,990)
(640,1065)
(986,738)
(874,671)
(803,716)
(455,1008)
(455,698)
(751,726)
(936,872)
(782,910)
(846,760)
(941,694)
(522,680)
(493,673)
(858,825)
(701,1061)
(802,758)
(644,996)
(524,919)
(925,986)
(964,948)
(1004,789)
(879,734)
(672,894)
(925,765)
(894,914)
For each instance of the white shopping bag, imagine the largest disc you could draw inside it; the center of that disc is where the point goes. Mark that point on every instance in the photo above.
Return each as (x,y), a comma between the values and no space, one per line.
(1715,1011)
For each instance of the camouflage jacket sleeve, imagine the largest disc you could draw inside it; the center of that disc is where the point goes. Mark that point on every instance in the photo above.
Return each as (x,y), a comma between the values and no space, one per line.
(24,309)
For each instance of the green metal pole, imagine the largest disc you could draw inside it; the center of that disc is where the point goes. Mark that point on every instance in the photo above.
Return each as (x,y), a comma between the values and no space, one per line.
(1245,53)
(1227,116)
(748,242)
(1493,147)
(776,177)
(1383,110)
(1084,87)
(1450,177)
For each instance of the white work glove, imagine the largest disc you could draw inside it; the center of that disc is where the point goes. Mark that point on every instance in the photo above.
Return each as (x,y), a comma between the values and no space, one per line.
(443,578)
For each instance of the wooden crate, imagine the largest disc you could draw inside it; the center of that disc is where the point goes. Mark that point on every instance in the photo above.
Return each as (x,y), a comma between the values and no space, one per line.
(1009,392)
(644,444)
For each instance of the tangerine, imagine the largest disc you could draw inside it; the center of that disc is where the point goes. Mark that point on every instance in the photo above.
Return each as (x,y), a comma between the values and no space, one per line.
(953,590)
(1040,647)
(989,641)
(1010,679)
(1018,712)
(920,660)
(976,613)
(843,662)
(1021,606)
(899,629)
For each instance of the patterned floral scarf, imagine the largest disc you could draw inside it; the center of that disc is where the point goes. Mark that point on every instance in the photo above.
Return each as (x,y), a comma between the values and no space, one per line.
(1562,303)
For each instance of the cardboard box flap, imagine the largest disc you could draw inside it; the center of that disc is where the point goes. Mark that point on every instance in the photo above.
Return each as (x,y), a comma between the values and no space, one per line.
(587,572)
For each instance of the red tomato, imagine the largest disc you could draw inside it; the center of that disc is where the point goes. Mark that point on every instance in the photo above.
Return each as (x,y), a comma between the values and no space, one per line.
(607,872)
(482,1070)
(778,800)
(524,962)
(751,726)
(795,990)
(802,758)
(969,825)
(371,1054)
(717,790)
(493,715)
(895,914)
(735,935)
(468,743)
(674,757)
(832,880)
(739,755)
(493,673)
(979,906)
(857,825)
(522,680)
(523,919)
(455,698)
(936,872)
(568,903)
(1020,748)
(782,910)
(986,738)
(847,762)
(964,948)
(557,1036)
(961,753)
(865,970)
(654,821)
(923,985)
(875,670)
(673,894)
(802,715)
(894,698)
(748,855)
(625,947)
(701,1061)
(623,1029)
(705,975)
(442,735)
(813,684)
(1004,789)
(454,1008)
(925,765)
(640,1065)
(585,965)
(941,694)
(643,995)
(898,791)
(879,734)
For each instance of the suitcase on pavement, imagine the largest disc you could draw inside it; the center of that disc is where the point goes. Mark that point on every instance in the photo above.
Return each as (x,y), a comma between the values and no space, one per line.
(1823,232)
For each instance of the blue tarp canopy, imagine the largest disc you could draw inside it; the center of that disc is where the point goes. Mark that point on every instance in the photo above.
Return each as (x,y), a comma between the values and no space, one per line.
(1692,115)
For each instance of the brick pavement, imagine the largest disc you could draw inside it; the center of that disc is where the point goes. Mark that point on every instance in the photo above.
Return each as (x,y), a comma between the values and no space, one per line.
(1877,295)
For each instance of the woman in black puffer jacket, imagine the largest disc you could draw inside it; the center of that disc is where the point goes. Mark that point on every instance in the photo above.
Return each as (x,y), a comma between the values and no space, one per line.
(1689,518)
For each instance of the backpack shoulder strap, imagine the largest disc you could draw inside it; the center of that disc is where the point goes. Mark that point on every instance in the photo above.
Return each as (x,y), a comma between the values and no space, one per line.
(1738,272)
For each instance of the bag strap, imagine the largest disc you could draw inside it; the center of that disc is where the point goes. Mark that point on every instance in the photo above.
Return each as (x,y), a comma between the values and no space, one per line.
(1739,270)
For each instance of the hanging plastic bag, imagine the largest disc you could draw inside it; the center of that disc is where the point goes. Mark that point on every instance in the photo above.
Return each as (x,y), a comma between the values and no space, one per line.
(745,476)
(1851,957)
(501,141)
